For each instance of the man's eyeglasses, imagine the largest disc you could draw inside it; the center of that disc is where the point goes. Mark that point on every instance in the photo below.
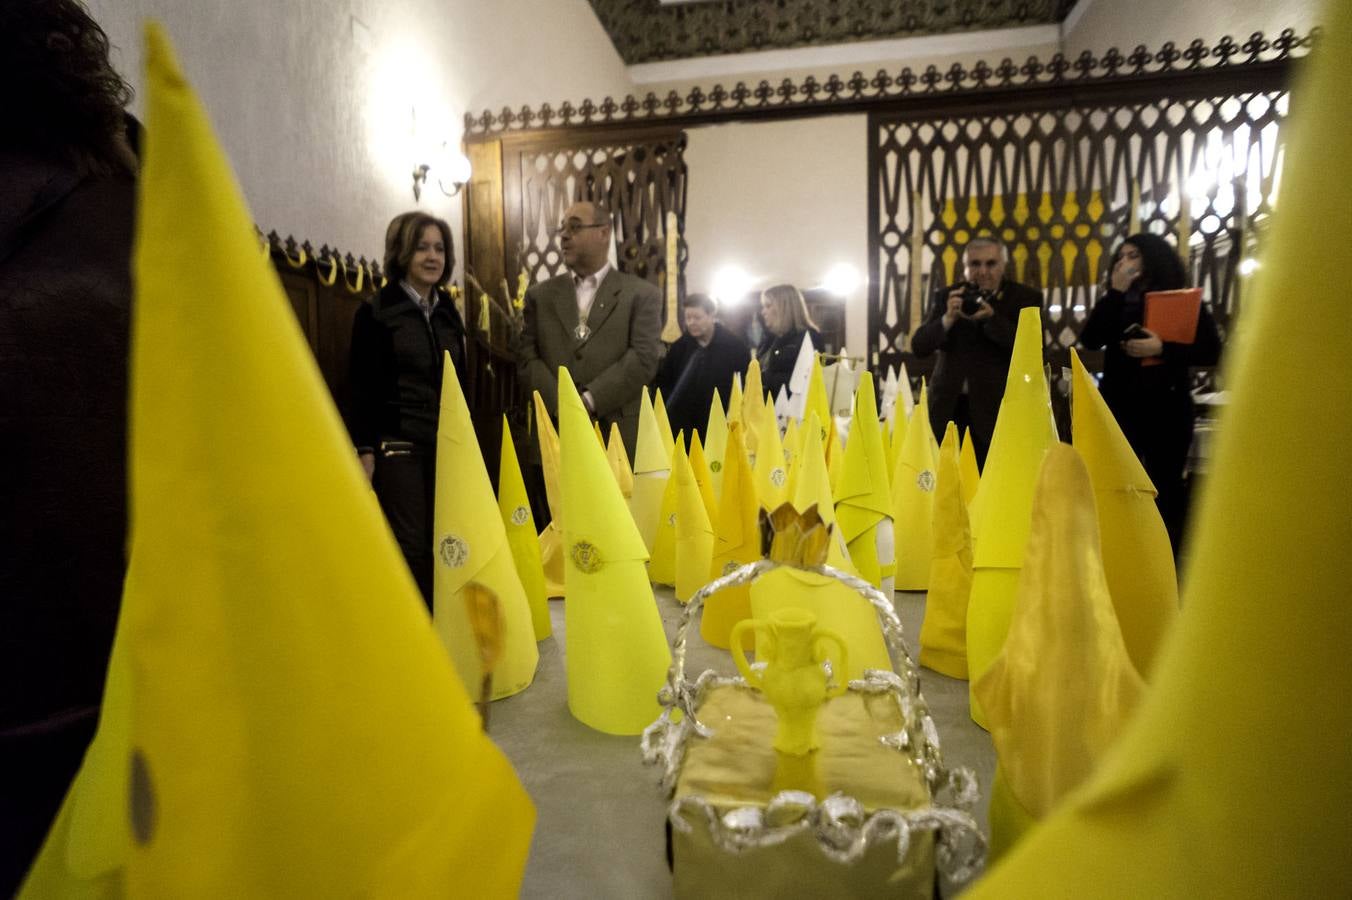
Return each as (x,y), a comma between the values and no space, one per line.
(572,228)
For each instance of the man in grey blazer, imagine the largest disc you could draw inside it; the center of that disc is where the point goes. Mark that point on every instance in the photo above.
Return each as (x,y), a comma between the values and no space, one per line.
(600,323)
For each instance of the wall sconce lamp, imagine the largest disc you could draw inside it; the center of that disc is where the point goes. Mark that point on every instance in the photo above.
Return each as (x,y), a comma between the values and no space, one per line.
(452,168)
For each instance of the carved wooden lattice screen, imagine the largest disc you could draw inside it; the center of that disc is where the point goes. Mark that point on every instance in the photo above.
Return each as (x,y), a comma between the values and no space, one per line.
(641,176)
(1062,187)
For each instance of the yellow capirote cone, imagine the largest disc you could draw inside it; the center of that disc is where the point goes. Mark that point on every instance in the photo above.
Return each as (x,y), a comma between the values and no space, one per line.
(770,472)
(617,653)
(753,398)
(551,539)
(662,562)
(1002,510)
(734,413)
(792,443)
(913,484)
(1233,780)
(663,422)
(1063,687)
(470,547)
(694,548)
(836,606)
(279,719)
(652,468)
(699,465)
(737,541)
(618,458)
(865,497)
(968,470)
(716,442)
(818,402)
(943,634)
(1137,557)
(519,522)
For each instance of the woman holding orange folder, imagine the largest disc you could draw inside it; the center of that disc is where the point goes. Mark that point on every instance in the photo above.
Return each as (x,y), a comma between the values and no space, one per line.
(1146,381)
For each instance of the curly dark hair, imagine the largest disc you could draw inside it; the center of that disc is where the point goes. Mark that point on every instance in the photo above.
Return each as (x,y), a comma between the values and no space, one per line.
(65,98)
(1161,269)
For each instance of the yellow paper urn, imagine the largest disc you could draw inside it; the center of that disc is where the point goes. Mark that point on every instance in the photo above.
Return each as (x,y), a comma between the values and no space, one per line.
(793,679)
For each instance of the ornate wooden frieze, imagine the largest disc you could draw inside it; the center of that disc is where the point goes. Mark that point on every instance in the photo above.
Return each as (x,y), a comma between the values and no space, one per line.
(1008,83)
(646,32)
(1061,187)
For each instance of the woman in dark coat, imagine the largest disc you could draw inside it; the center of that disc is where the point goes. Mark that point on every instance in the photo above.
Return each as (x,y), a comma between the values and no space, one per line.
(1152,404)
(399,339)
(67,194)
(784,314)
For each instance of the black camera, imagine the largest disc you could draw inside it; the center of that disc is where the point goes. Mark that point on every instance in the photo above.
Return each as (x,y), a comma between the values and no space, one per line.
(972,296)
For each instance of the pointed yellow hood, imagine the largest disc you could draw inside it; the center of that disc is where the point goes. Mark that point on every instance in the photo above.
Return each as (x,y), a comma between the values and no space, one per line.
(522,537)
(1136,554)
(913,484)
(736,542)
(694,533)
(618,458)
(715,442)
(943,634)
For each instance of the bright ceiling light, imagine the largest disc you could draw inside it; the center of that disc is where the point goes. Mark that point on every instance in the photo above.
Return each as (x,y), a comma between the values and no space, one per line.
(842,280)
(731,285)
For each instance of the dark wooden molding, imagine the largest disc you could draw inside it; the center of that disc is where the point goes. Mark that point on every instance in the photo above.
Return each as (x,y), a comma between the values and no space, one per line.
(1195,69)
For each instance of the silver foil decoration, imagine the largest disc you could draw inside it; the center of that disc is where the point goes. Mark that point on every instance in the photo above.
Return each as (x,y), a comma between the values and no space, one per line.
(843,829)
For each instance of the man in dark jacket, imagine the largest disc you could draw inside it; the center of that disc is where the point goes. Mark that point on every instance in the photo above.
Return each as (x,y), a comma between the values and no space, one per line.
(972,327)
(702,361)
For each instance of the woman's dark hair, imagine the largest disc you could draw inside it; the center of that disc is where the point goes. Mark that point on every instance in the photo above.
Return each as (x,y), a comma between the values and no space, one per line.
(401,240)
(1161,269)
(64,98)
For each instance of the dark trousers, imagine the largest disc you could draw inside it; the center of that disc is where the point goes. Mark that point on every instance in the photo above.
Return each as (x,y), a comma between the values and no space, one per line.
(405,481)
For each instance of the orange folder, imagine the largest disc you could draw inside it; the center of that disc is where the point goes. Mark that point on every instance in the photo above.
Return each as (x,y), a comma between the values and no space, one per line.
(1172,315)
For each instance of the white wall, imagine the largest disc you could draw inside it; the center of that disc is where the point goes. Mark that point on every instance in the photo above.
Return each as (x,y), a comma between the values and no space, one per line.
(782,200)
(1096,25)
(312,100)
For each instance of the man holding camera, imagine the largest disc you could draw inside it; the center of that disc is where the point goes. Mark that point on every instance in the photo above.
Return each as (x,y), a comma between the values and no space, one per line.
(971,324)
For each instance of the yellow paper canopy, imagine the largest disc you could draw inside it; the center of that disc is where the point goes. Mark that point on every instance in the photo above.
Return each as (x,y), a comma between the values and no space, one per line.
(943,634)
(1232,780)
(616,652)
(1063,686)
(736,542)
(279,719)
(470,547)
(1137,557)
(715,442)
(519,522)
(913,484)
(1002,510)
(694,534)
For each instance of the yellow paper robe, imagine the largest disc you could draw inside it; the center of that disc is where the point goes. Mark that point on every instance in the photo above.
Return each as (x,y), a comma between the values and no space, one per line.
(470,547)
(913,484)
(943,634)
(519,522)
(1233,778)
(296,729)
(1137,557)
(617,653)
(1002,510)
(1063,687)
(652,468)
(865,496)
(551,539)
(694,544)
(836,606)
(715,442)
(737,541)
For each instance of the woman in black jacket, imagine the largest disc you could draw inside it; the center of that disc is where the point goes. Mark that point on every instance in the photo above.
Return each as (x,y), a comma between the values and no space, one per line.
(399,339)
(785,316)
(1152,403)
